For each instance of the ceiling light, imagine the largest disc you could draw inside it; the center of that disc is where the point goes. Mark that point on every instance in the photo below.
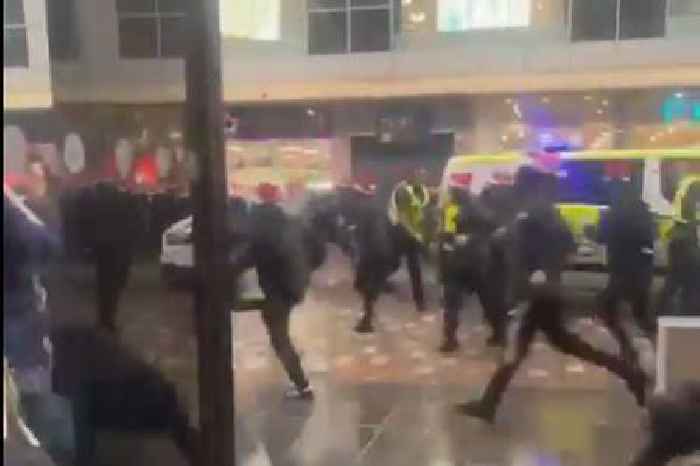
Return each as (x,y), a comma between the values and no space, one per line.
(545,100)
(587,97)
(605,102)
(509,101)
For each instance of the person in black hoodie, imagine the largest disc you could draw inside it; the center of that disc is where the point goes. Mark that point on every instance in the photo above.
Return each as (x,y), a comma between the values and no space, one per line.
(115,221)
(278,251)
(540,243)
(628,231)
(469,263)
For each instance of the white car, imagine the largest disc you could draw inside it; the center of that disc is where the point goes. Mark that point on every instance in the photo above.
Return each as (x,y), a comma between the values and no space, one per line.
(177,261)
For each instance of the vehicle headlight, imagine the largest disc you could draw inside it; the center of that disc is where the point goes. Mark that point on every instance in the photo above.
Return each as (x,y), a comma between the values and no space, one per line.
(178,237)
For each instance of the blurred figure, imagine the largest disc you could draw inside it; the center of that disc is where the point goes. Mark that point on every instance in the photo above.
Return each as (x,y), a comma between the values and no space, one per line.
(115,222)
(545,313)
(28,247)
(407,205)
(540,246)
(683,254)
(674,429)
(468,264)
(628,230)
(111,388)
(376,252)
(278,252)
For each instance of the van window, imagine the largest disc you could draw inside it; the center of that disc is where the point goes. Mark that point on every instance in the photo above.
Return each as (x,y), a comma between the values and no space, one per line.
(672,173)
(593,182)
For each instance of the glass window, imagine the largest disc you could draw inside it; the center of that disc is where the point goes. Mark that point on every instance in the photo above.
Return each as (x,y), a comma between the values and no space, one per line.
(369,32)
(327,32)
(15,48)
(251,19)
(138,37)
(462,15)
(14,35)
(14,11)
(350,26)
(151,28)
(684,7)
(642,18)
(598,20)
(64,40)
(594,20)
(594,182)
(173,37)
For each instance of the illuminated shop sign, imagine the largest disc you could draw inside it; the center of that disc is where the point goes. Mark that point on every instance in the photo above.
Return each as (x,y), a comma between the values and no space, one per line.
(679,107)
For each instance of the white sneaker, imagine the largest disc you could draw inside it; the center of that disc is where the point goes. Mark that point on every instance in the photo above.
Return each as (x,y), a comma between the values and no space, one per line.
(296,393)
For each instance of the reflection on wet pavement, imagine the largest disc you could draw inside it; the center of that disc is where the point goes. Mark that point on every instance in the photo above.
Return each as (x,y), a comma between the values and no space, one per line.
(387,398)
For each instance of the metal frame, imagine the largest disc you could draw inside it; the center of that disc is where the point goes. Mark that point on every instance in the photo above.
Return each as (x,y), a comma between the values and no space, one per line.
(662,347)
(158,16)
(348,9)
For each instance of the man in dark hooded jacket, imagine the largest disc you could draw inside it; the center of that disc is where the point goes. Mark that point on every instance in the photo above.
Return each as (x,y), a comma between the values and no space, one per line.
(278,251)
(541,244)
(628,230)
(469,263)
(115,221)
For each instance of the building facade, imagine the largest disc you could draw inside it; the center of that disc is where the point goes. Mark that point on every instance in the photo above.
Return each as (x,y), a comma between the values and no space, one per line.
(480,75)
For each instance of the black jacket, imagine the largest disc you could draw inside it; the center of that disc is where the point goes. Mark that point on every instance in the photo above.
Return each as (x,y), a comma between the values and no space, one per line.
(279,252)
(628,230)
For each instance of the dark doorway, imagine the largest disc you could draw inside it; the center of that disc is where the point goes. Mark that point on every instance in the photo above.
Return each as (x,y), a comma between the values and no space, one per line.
(387,164)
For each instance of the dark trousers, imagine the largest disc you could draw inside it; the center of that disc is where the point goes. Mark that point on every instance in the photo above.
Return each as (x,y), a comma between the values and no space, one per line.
(680,284)
(411,249)
(635,289)
(549,320)
(113,266)
(275,315)
(490,295)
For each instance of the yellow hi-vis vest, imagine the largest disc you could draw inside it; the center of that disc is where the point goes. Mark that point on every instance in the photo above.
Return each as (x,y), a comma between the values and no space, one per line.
(410,217)
(450,213)
(681,193)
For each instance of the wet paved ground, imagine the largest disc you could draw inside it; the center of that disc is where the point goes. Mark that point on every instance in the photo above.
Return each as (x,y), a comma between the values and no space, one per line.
(383,399)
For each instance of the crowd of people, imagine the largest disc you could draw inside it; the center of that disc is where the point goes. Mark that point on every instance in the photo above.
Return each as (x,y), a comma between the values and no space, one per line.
(509,245)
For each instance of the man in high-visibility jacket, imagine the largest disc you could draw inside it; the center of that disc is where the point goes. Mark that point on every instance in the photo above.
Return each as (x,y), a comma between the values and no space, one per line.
(406,212)
(469,264)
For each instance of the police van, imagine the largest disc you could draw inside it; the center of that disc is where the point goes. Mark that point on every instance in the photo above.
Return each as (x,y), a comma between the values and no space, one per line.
(661,177)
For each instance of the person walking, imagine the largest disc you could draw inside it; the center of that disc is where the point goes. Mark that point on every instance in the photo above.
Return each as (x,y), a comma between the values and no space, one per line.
(541,244)
(279,255)
(469,264)
(628,230)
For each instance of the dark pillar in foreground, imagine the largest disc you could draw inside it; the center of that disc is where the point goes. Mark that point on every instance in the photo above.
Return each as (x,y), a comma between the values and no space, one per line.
(205,143)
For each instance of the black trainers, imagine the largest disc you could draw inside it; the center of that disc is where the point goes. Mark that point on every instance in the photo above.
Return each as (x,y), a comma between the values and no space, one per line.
(449,345)
(478,410)
(296,393)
